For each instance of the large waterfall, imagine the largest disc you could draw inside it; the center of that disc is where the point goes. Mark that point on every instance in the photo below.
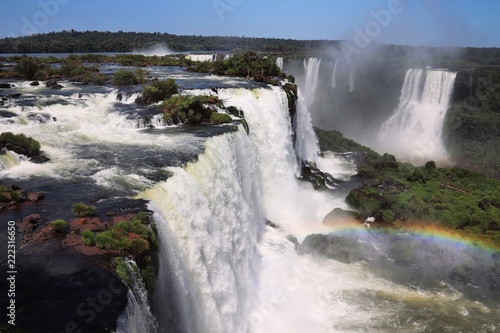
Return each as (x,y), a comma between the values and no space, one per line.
(414,131)
(210,215)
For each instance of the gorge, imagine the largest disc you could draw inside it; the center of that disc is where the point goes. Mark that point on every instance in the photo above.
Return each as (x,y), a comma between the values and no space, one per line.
(236,225)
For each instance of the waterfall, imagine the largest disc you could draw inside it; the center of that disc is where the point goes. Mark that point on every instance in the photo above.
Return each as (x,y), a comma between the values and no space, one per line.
(209,215)
(306,142)
(334,74)
(311,68)
(414,131)
(352,76)
(202,57)
(208,219)
(279,62)
(137,316)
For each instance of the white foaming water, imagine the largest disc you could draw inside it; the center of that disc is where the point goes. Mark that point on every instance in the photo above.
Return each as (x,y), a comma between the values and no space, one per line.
(414,132)
(84,120)
(202,57)
(306,142)
(208,219)
(137,315)
(287,202)
(352,77)
(334,74)
(158,50)
(311,70)
(279,62)
(10,159)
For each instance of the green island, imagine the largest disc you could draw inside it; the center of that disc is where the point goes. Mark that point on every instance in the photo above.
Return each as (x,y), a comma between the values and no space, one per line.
(397,194)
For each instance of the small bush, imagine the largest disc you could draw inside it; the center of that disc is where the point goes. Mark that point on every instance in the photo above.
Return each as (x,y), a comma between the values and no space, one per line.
(27,67)
(20,143)
(220,118)
(59,225)
(158,91)
(82,210)
(89,238)
(125,78)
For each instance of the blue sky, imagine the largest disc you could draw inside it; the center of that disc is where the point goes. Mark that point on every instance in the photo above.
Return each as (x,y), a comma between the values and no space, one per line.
(409,22)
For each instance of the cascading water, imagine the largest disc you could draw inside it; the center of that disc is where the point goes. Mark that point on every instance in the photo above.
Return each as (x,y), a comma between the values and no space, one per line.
(306,143)
(414,131)
(208,221)
(279,62)
(352,77)
(311,71)
(137,316)
(334,74)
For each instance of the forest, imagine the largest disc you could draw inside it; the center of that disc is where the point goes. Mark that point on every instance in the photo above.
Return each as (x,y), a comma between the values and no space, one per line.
(96,41)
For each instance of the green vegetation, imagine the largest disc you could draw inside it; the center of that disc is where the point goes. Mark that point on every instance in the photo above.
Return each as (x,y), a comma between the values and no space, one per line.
(59,225)
(19,143)
(27,67)
(127,78)
(220,118)
(134,236)
(158,91)
(8,195)
(395,193)
(248,64)
(82,210)
(73,69)
(193,110)
(472,124)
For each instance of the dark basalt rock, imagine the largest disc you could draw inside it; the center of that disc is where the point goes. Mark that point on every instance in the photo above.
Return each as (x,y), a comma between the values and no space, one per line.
(344,249)
(35,83)
(50,83)
(5,85)
(339,216)
(39,159)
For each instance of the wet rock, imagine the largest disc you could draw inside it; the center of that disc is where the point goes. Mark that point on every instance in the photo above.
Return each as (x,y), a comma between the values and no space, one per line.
(56,86)
(119,97)
(29,223)
(50,83)
(14,96)
(34,196)
(344,249)
(80,224)
(46,233)
(5,85)
(338,217)
(35,83)
(39,159)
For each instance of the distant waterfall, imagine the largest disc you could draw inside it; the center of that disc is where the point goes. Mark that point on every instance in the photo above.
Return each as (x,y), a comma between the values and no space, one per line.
(352,77)
(334,74)
(311,69)
(279,62)
(306,142)
(414,131)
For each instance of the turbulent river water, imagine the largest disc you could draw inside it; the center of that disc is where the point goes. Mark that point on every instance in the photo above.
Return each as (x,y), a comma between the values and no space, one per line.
(211,189)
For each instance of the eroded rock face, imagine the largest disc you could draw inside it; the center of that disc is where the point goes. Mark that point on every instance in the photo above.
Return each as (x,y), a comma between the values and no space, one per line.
(29,223)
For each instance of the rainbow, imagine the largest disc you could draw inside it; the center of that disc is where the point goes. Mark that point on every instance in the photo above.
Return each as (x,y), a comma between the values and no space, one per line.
(430,233)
